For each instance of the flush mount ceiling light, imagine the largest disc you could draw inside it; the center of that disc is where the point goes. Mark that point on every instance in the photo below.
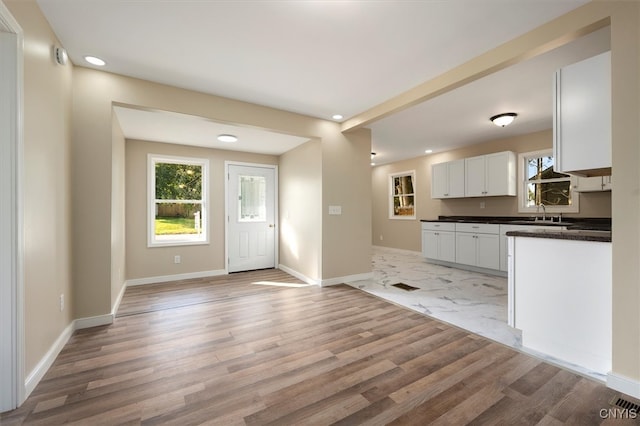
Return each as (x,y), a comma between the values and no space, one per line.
(505,119)
(337,117)
(95,61)
(428,151)
(227,138)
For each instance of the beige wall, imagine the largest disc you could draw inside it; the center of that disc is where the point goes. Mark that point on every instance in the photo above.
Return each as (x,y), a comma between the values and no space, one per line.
(300,206)
(46,185)
(145,262)
(405,234)
(625,81)
(346,182)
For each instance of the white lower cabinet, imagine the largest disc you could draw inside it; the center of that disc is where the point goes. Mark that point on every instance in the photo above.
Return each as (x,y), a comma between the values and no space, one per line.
(480,247)
(439,241)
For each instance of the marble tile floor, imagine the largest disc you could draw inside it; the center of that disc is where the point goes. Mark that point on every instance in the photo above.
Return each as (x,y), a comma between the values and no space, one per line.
(474,301)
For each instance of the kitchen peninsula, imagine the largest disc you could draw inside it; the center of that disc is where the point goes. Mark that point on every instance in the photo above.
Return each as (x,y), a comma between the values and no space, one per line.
(559,286)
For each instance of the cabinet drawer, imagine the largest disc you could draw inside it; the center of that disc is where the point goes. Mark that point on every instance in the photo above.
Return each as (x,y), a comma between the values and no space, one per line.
(438,226)
(479,228)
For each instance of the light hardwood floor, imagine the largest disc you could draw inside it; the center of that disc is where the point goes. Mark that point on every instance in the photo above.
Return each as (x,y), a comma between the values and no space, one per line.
(228,350)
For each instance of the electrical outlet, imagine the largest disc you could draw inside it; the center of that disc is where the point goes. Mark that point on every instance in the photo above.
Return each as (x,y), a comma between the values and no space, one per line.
(381,238)
(482,205)
(62,302)
(177,259)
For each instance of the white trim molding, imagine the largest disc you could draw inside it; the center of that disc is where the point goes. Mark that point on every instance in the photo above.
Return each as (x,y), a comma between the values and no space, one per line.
(176,277)
(298,275)
(346,279)
(47,360)
(624,384)
(12,390)
(38,372)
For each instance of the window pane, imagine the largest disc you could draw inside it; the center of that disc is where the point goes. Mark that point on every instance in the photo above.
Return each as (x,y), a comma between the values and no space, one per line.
(252,199)
(175,221)
(403,185)
(178,181)
(549,194)
(542,168)
(403,205)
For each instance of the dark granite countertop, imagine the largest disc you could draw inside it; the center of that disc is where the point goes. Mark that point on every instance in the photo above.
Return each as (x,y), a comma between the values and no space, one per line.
(593,224)
(569,234)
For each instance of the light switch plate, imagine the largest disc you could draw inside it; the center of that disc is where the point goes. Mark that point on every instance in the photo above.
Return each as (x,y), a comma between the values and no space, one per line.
(335,210)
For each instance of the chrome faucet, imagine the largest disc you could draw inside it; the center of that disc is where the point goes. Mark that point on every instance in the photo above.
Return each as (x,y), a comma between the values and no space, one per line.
(544,211)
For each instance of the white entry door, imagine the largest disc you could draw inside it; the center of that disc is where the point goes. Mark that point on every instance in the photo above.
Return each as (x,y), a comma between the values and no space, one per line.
(251,235)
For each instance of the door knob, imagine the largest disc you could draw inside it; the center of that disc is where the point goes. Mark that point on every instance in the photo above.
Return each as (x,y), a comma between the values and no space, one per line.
(271,225)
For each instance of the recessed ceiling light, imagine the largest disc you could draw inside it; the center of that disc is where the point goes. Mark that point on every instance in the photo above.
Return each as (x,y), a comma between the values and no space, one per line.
(373,164)
(95,61)
(428,151)
(337,117)
(227,138)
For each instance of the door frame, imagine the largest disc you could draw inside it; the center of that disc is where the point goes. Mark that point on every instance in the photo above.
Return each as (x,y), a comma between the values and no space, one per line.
(12,384)
(226,209)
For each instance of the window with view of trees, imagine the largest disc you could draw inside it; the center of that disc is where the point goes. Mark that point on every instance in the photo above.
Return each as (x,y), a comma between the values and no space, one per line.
(402,195)
(541,184)
(177,200)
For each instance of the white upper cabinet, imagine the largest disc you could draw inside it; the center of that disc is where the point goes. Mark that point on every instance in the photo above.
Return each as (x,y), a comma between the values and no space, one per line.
(447,179)
(491,175)
(582,117)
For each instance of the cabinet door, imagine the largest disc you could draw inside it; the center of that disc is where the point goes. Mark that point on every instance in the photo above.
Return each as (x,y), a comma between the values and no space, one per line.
(466,250)
(588,184)
(500,173)
(430,244)
(447,246)
(456,178)
(488,251)
(475,177)
(582,115)
(439,180)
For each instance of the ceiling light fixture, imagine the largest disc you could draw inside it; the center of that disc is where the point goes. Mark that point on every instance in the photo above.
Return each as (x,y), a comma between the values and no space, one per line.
(428,151)
(505,119)
(60,55)
(95,61)
(227,138)
(337,117)
(373,154)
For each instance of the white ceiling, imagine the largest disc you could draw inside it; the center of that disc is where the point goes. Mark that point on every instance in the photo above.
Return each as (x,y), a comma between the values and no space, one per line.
(324,57)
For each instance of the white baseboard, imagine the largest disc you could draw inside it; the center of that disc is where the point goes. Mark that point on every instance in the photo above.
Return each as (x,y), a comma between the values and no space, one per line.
(177,277)
(346,279)
(46,362)
(96,321)
(624,384)
(298,275)
(405,251)
(327,282)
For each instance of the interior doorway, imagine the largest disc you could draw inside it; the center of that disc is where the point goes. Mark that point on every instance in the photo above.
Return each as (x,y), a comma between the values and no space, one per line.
(251,217)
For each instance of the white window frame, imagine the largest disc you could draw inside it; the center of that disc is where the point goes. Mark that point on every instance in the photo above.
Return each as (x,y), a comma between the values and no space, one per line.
(203,237)
(392,195)
(574,207)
